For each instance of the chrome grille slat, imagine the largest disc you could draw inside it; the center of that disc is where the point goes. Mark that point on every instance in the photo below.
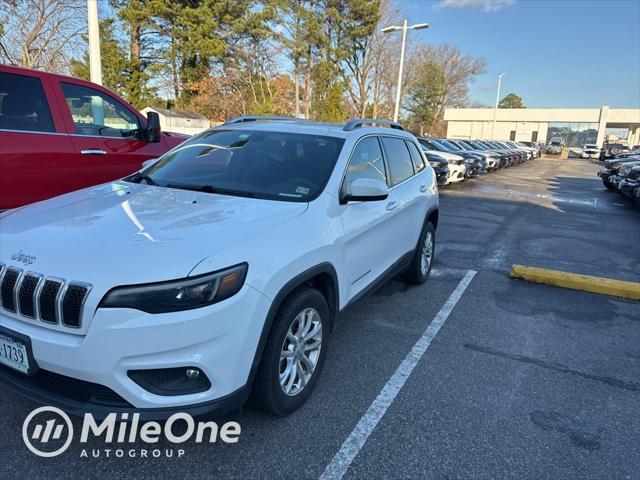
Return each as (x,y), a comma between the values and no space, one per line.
(48,299)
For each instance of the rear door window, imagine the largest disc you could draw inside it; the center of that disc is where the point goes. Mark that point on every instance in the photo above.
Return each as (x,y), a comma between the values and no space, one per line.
(416,158)
(23,104)
(398,160)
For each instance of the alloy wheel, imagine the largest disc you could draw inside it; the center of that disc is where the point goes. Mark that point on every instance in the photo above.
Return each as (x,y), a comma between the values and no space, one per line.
(427,253)
(300,351)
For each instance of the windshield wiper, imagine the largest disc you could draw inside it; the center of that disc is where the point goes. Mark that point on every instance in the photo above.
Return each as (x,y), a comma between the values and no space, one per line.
(211,189)
(139,177)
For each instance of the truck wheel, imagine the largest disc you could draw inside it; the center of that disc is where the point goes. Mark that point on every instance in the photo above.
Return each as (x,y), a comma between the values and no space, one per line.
(294,353)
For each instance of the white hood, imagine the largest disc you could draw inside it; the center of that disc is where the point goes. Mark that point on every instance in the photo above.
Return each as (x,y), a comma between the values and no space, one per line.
(124,231)
(446,155)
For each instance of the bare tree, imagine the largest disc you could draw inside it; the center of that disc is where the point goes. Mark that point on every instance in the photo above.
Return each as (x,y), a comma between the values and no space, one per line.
(41,34)
(439,78)
(459,70)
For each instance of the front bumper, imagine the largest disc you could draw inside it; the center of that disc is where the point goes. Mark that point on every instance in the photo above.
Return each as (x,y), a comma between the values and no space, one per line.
(473,171)
(442,175)
(627,188)
(220,340)
(457,173)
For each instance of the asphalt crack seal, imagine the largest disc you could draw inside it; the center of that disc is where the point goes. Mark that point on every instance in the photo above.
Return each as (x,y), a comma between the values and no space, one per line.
(556,367)
(581,434)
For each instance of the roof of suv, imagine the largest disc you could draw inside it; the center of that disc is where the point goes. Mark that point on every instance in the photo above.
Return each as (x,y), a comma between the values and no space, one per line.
(358,127)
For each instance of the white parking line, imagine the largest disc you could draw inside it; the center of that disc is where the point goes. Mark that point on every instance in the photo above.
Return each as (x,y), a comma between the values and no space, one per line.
(357,438)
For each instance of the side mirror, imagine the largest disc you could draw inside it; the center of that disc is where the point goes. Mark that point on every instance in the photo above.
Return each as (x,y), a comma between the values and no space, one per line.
(366,190)
(149,162)
(153,127)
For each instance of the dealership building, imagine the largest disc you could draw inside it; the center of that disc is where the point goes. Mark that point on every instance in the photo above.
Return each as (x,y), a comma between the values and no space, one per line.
(576,127)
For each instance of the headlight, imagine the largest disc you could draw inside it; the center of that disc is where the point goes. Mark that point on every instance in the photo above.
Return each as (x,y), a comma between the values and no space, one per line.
(176,295)
(434,164)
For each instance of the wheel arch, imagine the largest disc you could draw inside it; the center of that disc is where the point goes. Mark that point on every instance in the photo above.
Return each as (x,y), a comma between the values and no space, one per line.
(322,277)
(432,216)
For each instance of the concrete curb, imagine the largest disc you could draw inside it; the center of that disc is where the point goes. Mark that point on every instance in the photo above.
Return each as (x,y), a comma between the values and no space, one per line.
(587,283)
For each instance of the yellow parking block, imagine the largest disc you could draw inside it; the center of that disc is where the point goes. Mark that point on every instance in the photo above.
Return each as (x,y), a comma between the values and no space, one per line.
(587,283)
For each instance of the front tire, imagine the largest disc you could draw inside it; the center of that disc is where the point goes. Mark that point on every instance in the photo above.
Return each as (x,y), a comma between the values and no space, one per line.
(294,354)
(607,183)
(418,271)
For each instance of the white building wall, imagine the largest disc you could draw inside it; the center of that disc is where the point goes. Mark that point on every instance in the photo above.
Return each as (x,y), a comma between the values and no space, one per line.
(469,123)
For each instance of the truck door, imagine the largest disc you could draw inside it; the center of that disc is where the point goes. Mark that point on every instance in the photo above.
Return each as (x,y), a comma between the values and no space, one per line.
(37,158)
(106,135)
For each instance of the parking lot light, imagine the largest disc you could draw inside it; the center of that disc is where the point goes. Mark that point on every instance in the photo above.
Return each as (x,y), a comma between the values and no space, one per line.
(404,27)
(495,110)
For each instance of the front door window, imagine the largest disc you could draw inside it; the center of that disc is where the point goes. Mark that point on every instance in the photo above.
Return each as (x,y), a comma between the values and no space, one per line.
(98,115)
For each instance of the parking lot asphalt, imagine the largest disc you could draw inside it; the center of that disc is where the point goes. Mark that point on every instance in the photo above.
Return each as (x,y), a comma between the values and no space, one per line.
(521,381)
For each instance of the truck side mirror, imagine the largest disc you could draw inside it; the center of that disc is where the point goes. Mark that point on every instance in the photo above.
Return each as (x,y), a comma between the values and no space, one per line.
(153,127)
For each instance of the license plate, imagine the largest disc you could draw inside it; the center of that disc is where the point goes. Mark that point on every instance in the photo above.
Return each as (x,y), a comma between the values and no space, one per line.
(14,354)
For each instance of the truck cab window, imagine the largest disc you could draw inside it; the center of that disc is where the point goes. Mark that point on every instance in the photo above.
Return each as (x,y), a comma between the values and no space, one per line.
(23,104)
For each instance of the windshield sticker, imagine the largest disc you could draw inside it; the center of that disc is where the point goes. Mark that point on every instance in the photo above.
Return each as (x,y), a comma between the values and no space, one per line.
(303,190)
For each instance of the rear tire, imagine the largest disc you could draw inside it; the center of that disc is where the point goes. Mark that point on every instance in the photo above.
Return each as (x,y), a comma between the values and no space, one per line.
(418,271)
(280,388)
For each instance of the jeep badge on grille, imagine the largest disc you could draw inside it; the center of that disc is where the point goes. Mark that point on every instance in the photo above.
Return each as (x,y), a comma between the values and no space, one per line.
(23,258)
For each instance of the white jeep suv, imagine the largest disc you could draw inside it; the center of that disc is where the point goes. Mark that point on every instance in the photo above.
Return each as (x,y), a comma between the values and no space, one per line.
(219,270)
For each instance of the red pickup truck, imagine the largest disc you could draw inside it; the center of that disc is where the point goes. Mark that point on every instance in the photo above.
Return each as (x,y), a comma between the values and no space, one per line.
(59,134)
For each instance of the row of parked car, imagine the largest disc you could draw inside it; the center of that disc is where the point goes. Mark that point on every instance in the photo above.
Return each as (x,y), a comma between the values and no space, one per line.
(622,174)
(456,160)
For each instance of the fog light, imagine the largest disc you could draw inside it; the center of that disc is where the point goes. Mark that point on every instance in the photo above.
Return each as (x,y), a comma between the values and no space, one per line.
(171,381)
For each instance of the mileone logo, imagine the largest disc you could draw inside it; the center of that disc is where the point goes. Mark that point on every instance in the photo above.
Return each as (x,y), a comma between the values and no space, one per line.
(53,434)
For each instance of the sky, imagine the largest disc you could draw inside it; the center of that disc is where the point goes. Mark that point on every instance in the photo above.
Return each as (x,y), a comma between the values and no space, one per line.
(555,53)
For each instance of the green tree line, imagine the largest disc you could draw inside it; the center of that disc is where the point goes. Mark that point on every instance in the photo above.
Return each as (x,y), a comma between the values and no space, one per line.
(320,59)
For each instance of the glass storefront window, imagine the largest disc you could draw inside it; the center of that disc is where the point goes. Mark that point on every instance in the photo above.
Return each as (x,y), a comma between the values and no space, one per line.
(573,134)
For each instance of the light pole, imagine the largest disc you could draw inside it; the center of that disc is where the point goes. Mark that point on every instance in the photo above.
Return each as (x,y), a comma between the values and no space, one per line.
(404,28)
(95,63)
(495,110)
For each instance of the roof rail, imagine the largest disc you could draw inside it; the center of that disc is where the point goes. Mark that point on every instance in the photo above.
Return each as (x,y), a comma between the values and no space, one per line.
(256,118)
(359,122)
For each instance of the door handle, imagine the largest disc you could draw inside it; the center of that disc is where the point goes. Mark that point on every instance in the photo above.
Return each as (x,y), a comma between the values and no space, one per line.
(423,188)
(93,151)
(392,205)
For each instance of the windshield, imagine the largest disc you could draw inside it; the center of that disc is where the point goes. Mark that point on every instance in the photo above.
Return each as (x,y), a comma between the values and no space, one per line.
(443,145)
(465,145)
(555,144)
(451,145)
(271,165)
(479,145)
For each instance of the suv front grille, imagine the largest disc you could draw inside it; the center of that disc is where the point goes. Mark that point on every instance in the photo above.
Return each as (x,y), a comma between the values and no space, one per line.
(26,295)
(50,300)
(9,280)
(72,305)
